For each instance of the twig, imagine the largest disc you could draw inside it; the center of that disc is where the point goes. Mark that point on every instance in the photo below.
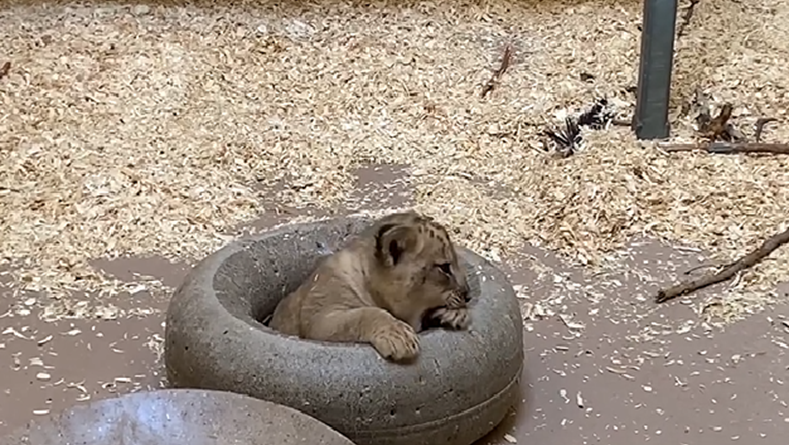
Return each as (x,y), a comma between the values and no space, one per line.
(703,266)
(727,272)
(687,17)
(730,147)
(760,123)
(5,69)
(505,63)
(719,127)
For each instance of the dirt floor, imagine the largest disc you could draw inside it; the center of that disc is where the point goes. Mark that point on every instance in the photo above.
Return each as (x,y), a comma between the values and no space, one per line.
(135,139)
(595,371)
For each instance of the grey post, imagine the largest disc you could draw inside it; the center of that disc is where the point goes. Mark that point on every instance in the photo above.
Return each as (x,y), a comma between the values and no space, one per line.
(654,72)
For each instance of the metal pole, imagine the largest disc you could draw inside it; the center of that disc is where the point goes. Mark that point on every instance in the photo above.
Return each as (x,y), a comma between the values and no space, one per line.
(654,72)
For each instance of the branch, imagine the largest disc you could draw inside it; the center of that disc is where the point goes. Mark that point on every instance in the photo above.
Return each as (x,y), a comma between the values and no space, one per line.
(760,123)
(728,272)
(5,69)
(686,17)
(719,127)
(505,63)
(730,147)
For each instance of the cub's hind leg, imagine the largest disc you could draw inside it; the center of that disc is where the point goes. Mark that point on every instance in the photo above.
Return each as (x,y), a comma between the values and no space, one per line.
(391,337)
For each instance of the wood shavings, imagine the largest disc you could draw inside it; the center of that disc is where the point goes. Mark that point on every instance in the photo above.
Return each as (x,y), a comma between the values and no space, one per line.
(534,311)
(165,128)
(15,333)
(571,324)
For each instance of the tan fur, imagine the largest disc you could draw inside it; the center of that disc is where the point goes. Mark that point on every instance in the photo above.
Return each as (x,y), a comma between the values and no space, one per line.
(379,288)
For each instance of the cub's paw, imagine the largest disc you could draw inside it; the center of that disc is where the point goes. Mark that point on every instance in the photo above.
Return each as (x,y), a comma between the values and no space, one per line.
(453,318)
(396,341)
(455,301)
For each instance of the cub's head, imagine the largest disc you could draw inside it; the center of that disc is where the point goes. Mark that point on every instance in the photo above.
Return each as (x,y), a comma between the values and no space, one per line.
(416,254)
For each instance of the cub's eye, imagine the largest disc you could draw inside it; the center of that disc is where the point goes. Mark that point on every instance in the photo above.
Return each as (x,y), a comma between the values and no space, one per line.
(445,268)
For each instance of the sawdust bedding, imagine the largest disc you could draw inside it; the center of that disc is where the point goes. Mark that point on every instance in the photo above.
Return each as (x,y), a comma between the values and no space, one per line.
(157,128)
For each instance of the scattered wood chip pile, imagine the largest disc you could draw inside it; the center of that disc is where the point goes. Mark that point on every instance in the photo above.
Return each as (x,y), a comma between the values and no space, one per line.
(141,130)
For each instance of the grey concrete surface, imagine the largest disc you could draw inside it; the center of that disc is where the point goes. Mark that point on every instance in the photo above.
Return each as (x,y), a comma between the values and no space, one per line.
(174,417)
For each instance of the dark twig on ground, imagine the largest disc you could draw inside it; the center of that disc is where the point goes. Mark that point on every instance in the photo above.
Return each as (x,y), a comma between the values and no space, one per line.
(760,123)
(716,128)
(727,272)
(5,69)
(729,147)
(506,60)
(703,266)
(719,128)
(687,17)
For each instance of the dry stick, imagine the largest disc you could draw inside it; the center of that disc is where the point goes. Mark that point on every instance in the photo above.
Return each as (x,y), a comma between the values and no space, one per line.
(730,147)
(505,63)
(760,123)
(703,266)
(718,127)
(727,272)
(5,69)
(686,18)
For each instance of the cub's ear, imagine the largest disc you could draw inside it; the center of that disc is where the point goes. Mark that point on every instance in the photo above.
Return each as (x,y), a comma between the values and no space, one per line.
(393,240)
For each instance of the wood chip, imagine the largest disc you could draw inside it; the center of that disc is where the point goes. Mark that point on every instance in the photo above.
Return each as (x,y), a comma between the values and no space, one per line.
(45,340)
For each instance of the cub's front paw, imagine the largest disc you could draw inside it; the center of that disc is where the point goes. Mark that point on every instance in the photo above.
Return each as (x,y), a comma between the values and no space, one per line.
(455,318)
(455,301)
(396,341)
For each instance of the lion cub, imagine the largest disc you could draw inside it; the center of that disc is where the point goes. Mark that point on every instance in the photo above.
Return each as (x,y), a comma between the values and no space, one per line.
(379,288)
